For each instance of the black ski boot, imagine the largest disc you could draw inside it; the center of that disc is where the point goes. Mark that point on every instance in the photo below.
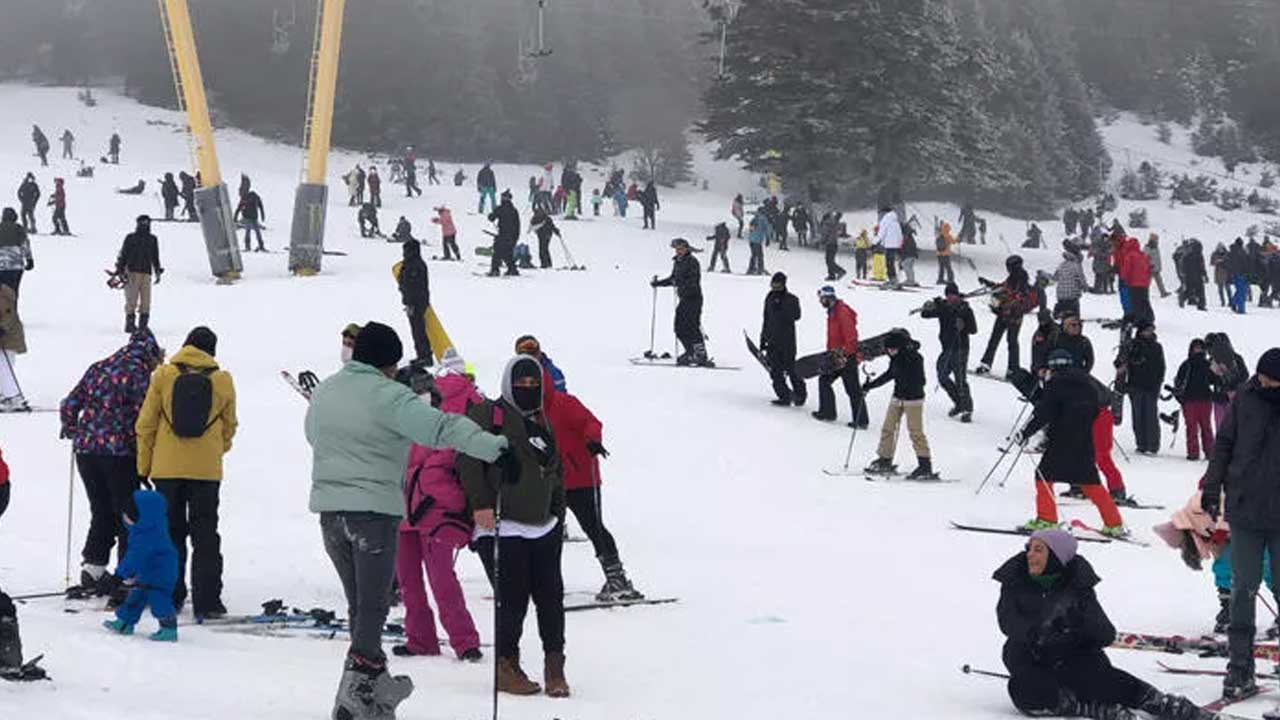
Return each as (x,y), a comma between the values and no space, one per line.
(1223,620)
(923,471)
(1071,706)
(780,402)
(130,324)
(1172,707)
(1239,682)
(617,588)
(10,642)
(143,320)
(881,466)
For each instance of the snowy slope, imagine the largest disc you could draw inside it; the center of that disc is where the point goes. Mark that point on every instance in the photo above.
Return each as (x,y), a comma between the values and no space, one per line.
(802,594)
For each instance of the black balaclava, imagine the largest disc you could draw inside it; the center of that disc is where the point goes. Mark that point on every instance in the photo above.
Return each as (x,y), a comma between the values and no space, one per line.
(528,400)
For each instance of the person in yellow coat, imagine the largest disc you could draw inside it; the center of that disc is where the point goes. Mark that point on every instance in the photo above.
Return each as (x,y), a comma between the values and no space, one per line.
(861,248)
(186,424)
(943,244)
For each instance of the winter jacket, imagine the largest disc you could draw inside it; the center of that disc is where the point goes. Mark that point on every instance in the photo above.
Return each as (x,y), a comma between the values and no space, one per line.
(538,496)
(102,409)
(4,470)
(574,426)
(1146,365)
(1079,347)
(432,489)
(1228,375)
(1015,294)
(1194,380)
(59,199)
(649,197)
(508,220)
(360,425)
(955,322)
(12,336)
(412,278)
(1134,265)
(1044,627)
(1237,260)
(15,246)
(758,230)
(29,193)
(140,253)
(485,178)
(444,218)
(1191,265)
(800,220)
(906,370)
(842,329)
(686,277)
(164,455)
(1070,278)
(543,226)
(889,234)
(1067,408)
(152,559)
(909,247)
(250,209)
(1246,459)
(169,191)
(778,331)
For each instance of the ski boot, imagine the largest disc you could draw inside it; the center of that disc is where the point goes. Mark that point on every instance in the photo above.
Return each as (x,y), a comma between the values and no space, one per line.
(129,324)
(1172,707)
(10,640)
(881,466)
(1223,620)
(684,359)
(168,632)
(471,655)
(1037,524)
(1239,683)
(923,471)
(1071,706)
(368,691)
(617,588)
(144,319)
(700,357)
(553,675)
(118,626)
(1118,532)
(982,369)
(1073,492)
(966,417)
(512,680)
(15,404)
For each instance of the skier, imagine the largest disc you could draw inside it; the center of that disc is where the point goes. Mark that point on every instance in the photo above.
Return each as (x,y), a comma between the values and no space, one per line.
(15,251)
(1192,388)
(968,224)
(150,568)
(375,186)
(778,341)
(1012,299)
(169,193)
(518,503)
(1245,457)
(780,220)
(830,231)
(58,201)
(1072,339)
(1153,256)
(553,380)
(906,370)
(250,212)
(1057,634)
(28,196)
(410,164)
(188,193)
(360,425)
(889,237)
(186,425)
(415,295)
(757,238)
(596,201)
(139,258)
(367,217)
(842,347)
(42,144)
(504,243)
(432,177)
(800,220)
(738,211)
(686,278)
(544,227)
(448,233)
(1144,369)
(955,324)
(1237,267)
(1135,273)
(1067,407)
(720,248)
(435,528)
(99,415)
(1071,282)
(113,148)
(942,244)
(649,202)
(12,344)
(487,184)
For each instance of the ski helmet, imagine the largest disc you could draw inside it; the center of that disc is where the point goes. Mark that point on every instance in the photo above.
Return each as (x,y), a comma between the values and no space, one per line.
(827,291)
(1013,261)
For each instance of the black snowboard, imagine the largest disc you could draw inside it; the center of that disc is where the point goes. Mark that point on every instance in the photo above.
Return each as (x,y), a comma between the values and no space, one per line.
(808,367)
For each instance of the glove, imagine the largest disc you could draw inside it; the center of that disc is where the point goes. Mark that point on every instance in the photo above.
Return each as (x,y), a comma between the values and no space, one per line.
(1211,503)
(145,482)
(595,448)
(308,380)
(509,465)
(158,274)
(31,264)
(652,283)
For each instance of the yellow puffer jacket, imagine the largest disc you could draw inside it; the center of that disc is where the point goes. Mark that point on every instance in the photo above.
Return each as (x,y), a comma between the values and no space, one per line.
(162,454)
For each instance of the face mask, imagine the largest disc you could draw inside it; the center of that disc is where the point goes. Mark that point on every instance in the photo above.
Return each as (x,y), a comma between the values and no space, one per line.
(1271,395)
(347,352)
(527,399)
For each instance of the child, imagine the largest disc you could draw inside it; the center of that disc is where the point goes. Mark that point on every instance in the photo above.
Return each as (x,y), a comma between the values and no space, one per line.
(435,528)
(448,233)
(596,200)
(860,247)
(151,566)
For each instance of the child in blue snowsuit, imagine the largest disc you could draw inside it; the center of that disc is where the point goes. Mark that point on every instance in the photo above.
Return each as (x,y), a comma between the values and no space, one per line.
(152,564)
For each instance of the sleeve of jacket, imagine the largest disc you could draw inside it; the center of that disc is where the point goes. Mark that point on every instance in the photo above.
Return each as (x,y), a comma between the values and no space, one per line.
(1012,624)
(970,322)
(848,322)
(69,409)
(129,566)
(1088,356)
(428,426)
(148,424)
(1046,409)
(884,377)
(155,255)
(1096,631)
(1161,369)
(794,308)
(1215,478)
(475,474)
(229,421)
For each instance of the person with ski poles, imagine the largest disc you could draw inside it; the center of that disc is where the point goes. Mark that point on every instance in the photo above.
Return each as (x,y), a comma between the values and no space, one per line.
(955,324)
(778,342)
(544,228)
(842,348)
(360,425)
(906,370)
(518,507)
(12,344)
(58,201)
(1011,300)
(686,278)
(1057,633)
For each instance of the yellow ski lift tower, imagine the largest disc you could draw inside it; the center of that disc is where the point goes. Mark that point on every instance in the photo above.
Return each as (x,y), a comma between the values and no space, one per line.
(212,202)
(306,238)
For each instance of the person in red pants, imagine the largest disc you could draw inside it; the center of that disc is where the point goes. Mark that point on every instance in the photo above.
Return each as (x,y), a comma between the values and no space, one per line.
(1193,389)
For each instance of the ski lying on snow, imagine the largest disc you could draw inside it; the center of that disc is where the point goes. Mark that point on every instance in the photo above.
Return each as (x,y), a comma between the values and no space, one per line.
(1016,531)
(645,362)
(29,411)
(597,605)
(1225,702)
(503,276)
(1179,644)
(878,477)
(1127,504)
(1166,667)
(1083,527)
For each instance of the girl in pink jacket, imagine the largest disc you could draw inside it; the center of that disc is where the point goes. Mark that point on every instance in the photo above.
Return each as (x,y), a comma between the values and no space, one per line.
(448,232)
(435,527)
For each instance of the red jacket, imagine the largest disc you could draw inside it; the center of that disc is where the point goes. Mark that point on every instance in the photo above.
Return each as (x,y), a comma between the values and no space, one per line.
(4,470)
(573,426)
(1135,266)
(59,197)
(842,329)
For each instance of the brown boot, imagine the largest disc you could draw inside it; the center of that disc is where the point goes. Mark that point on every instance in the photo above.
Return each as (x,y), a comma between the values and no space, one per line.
(553,676)
(511,679)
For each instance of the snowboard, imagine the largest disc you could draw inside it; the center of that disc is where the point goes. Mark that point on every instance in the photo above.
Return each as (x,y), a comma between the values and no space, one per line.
(1016,531)
(597,605)
(807,367)
(441,344)
(645,362)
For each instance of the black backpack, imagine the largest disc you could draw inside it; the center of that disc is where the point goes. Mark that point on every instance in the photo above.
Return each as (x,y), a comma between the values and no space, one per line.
(192,401)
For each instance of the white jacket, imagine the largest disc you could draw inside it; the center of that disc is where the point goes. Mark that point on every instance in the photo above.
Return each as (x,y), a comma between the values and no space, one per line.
(890,235)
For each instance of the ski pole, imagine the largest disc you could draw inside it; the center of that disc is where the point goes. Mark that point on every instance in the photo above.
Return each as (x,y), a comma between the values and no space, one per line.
(1004,452)
(1013,465)
(848,455)
(970,670)
(1267,604)
(497,594)
(71,487)
(1123,454)
(653,322)
(573,264)
(12,373)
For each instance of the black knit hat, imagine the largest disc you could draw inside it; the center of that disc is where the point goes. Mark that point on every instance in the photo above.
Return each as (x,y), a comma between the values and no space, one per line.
(951,289)
(378,345)
(779,278)
(1269,363)
(202,338)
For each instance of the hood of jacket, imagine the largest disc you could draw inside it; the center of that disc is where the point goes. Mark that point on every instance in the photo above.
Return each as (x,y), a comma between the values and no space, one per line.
(193,357)
(456,393)
(1078,573)
(153,511)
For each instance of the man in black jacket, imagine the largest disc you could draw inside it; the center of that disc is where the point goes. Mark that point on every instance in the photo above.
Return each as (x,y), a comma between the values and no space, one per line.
(955,324)
(28,197)
(720,247)
(778,340)
(1073,340)
(686,278)
(1246,464)
(139,257)
(545,228)
(169,194)
(906,370)
(1191,269)
(487,185)
(415,295)
(188,193)
(649,201)
(1144,369)
(504,243)
(250,212)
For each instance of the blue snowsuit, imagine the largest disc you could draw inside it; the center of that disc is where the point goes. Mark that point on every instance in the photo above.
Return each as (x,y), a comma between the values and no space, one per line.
(152,562)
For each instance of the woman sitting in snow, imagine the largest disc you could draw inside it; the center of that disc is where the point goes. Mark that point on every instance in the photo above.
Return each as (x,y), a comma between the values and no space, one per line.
(1056,633)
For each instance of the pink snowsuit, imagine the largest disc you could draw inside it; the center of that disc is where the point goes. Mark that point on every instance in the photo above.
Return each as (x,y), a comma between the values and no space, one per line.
(444,218)
(432,485)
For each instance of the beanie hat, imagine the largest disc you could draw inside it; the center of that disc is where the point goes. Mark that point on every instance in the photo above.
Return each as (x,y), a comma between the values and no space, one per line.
(454,363)
(826,291)
(1061,359)
(895,341)
(951,289)
(1013,261)
(779,278)
(351,331)
(678,242)
(528,345)
(1061,544)
(1269,363)
(202,338)
(377,345)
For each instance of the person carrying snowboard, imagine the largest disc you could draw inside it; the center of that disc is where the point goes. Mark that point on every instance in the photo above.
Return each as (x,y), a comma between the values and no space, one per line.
(415,295)
(842,348)
(139,258)
(686,278)
(778,342)
(150,568)
(906,370)
(955,324)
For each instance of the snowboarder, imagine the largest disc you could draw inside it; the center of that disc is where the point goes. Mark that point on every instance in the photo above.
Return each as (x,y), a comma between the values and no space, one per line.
(720,247)
(1067,407)
(250,213)
(169,194)
(1057,634)
(448,233)
(649,202)
(58,201)
(1071,282)
(68,145)
(139,258)
(778,341)
(686,278)
(415,295)
(906,370)
(544,227)
(182,438)
(42,144)
(1192,388)
(955,324)
(151,568)
(1143,367)
(12,344)
(113,148)
(757,238)
(28,197)
(188,193)
(375,186)
(367,217)
(504,243)
(487,185)
(1012,299)
(738,211)
(15,251)
(526,521)
(842,347)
